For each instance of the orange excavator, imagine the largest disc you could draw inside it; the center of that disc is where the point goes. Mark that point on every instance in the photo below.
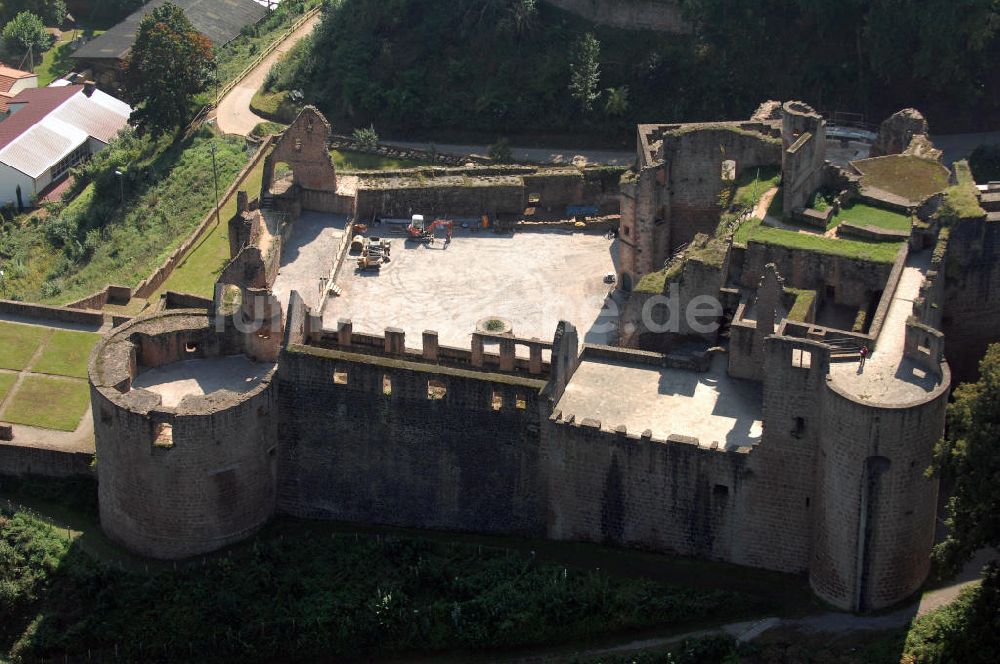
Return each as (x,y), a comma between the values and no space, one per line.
(421,231)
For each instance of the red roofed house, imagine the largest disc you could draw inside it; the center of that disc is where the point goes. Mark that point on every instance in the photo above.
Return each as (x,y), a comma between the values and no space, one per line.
(50,130)
(13,81)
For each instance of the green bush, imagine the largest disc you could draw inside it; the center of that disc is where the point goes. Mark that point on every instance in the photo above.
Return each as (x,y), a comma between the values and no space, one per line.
(967,631)
(263,129)
(367,137)
(306,593)
(481,65)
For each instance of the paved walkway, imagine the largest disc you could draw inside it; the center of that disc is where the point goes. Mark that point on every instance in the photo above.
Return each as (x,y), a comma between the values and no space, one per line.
(888,378)
(234,115)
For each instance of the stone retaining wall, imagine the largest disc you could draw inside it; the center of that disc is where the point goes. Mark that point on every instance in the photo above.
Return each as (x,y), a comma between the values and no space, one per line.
(44,312)
(22,460)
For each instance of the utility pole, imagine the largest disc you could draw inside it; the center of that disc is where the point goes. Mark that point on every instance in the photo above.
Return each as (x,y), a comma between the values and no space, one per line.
(216,70)
(215,173)
(121,186)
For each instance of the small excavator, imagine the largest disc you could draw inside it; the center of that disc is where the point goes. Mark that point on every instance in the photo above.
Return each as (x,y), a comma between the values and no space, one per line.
(420,231)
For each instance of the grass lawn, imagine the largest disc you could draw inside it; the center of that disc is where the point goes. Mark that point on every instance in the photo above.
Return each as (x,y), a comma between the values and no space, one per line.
(865,215)
(274,106)
(48,403)
(198,271)
(6,381)
(361,161)
(753,182)
(56,61)
(878,252)
(66,354)
(18,343)
(912,178)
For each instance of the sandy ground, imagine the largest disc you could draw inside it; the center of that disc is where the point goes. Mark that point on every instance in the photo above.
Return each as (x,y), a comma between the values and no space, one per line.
(533,279)
(177,380)
(711,407)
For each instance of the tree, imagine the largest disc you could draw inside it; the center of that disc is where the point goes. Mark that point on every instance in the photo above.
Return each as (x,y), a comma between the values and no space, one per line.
(968,458)
(585,72)
(52,12)
(617,102)
(367,137)
(27,31)
(168,65)
(500,152)
(523,16)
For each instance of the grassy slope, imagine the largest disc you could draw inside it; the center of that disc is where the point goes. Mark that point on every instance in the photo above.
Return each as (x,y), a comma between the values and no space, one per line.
(175,191)
(753,182)
(199,269)
(162,218)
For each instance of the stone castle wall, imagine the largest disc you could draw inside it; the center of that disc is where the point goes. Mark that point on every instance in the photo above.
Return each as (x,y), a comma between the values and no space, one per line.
(353,452)
(630,489)
(853,281)
(394,438)
(803,134)
(972,295)
(693,160)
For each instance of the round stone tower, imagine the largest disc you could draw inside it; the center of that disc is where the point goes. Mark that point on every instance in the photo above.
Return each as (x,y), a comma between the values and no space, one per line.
(876,509)
(185,429)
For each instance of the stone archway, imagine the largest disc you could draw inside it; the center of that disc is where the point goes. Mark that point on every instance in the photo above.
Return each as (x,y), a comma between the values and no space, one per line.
(304,147)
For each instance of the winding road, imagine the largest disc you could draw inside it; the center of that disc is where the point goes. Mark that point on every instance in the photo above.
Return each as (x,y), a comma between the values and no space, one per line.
(233,115)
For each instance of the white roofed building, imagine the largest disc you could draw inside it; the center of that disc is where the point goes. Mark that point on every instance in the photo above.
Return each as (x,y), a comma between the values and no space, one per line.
(50,130)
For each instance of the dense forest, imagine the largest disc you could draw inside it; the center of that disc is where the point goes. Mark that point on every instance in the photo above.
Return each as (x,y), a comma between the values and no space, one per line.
(523,66)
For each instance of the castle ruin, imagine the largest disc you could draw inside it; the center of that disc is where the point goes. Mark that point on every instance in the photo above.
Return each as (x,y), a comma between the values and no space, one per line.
(436,394)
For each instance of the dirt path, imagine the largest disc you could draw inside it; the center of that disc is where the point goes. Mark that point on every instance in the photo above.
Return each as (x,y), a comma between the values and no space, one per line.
(234,115)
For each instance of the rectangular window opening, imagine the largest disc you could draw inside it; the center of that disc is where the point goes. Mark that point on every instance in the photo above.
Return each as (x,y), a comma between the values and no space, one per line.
(163,435)
(497,402)
(387,385)
(521,402)
(436,390)
(721,490)
(340,377)
(801,359)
